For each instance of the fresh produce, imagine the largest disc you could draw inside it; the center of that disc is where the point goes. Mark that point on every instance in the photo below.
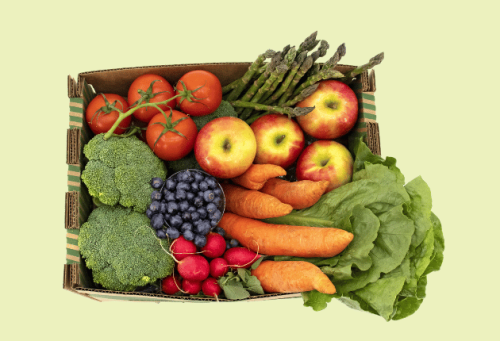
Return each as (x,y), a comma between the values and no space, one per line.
(325,160)
(191,287)
(285,240)
(122,250)
(253,204)
(225,109)
(187,162)
(119,171)
(298,194)
(279,140)
(210,287)
(181,248)
(215,246)
(190,203)
(218,267)
(171,285)
(256,176)
(240,257)
(293,276)
(225,147)
(150,88)
(171,137)
(194,268)
(100,114)
(398,240)
(335,113)
(240,284)
(201,93)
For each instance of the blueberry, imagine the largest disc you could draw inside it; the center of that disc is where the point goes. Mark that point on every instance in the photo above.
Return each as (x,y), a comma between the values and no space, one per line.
(203,186)
(164,192)
(198,176)
(191,209)
(166,218)
(180,194)
(195,216)
(161,234)
(170,196)
(172,207)
(156,195)
(217,201)
(183,186)
(188,235)
(163,207)
(198,201)
(220,231)
(194,187)
(203,212)
(175,221)
(157,221)
(186,176)
(186,216)
(189,196)
(214,222)
(186,226)
(215,215)
(155,206)
(209,195)
(203,227)
(211,183)
(197,222)
(183,206)
(233,243)
(200,240)
(171,184)
(211,207)
(156,182)
(217,192)
(173,233)
(228,246)
(149,213)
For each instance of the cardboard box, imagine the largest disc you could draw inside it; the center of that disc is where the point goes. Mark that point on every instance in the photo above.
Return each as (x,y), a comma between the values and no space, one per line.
(77,277)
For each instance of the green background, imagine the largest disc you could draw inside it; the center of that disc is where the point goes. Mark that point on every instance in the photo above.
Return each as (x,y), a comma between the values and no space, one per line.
(437,106)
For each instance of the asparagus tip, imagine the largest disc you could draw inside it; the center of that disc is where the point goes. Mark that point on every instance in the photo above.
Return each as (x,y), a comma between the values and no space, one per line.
(298,111)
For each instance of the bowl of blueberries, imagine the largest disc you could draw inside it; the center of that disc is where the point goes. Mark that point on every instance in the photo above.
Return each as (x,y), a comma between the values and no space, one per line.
(189,203)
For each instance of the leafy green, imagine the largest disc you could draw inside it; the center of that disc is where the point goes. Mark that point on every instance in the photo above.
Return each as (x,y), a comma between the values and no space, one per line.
(240,285)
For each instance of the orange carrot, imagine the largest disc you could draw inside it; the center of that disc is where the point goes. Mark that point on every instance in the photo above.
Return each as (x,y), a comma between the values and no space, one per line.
(292,276)
(253,204)
(257,175)
(285,240)
(299,194)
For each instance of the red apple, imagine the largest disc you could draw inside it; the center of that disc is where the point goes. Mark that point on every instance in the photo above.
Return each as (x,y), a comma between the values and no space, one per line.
(325,160)
(279,140)
(335,113)
(225,147)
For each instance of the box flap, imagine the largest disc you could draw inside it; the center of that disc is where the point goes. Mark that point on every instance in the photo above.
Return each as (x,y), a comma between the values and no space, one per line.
(71,210)
(373,137)
(73,146)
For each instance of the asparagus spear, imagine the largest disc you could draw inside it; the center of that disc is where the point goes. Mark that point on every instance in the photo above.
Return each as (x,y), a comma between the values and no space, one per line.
(289,60)
(281,69)
(230,86)
(284,86)
(291,112)
(321,51)
(332,62)
(302,96)
(309,43)
(308,62)
(321,75)
(249,74)
(360,69)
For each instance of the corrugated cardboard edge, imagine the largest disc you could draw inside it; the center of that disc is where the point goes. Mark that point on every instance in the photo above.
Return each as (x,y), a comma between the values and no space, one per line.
(373,137)
(71,280)
(371,81)
(73,146)
(72,210)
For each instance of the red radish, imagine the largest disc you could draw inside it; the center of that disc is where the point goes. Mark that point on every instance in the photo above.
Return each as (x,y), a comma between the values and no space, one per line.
(171,285)
(210,287)
(191,287)
(240,257)
(194,268)
(181,248)
(215,246)
(218,267)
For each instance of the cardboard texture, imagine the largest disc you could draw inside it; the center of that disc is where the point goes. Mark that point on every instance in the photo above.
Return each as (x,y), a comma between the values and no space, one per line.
(77,278)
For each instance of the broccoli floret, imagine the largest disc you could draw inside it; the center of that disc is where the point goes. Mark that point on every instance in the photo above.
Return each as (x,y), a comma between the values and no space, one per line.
(120,170)
(187,162)
(224,109)
(122,250)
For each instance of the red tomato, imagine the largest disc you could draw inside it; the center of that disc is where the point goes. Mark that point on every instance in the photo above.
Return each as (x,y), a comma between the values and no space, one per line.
(171,146)
(141,88)
(206,97)
(101,118)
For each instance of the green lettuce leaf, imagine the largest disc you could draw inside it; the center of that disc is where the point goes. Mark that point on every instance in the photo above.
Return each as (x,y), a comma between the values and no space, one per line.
(437,254)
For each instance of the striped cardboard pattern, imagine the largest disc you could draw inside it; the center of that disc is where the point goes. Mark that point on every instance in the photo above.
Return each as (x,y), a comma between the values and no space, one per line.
(366,113)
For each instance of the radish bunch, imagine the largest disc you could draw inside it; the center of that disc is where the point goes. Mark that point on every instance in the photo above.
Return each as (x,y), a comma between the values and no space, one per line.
(198,268)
